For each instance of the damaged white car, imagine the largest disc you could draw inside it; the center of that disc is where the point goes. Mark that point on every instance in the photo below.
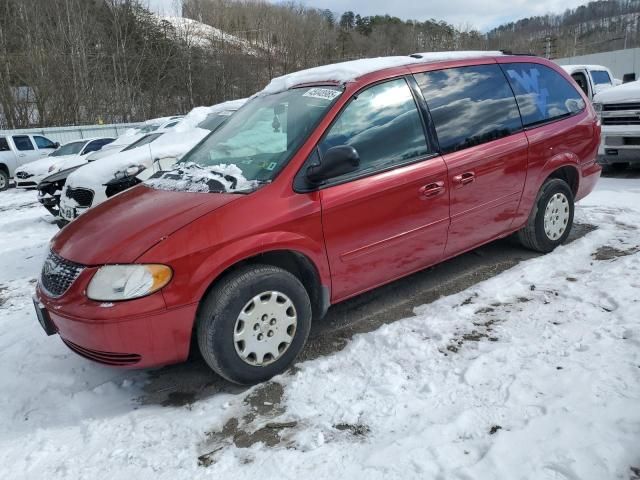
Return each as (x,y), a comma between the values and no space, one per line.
(158,151)
(72,153)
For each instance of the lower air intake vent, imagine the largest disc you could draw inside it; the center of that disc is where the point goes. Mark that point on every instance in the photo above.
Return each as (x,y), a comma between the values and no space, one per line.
(107,358)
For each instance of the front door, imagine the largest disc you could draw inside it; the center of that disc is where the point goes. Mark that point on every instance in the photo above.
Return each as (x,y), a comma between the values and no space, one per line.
(486,152)
(390,217)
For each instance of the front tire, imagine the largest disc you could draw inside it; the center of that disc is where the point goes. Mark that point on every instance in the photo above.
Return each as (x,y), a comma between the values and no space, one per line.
(551,217)
(253,324)
(4,180)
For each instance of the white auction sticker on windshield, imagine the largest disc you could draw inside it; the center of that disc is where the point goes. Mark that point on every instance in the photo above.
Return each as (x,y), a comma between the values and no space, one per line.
(324,93)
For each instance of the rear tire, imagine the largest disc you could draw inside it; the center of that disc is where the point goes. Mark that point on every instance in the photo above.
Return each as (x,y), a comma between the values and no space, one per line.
(4,180)
(255,309)
(551,217)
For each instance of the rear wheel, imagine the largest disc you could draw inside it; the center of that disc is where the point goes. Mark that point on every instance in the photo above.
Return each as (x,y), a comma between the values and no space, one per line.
(253,324)
(551,217)
(4,180)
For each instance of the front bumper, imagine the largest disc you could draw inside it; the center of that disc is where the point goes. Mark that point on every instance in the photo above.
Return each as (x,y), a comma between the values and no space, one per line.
(137,333)
(613,155)
(619,144)
(29,182)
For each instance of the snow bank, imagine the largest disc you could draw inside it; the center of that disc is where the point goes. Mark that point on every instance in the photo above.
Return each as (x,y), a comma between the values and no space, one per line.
(349,71)
(191,177)
(204,35)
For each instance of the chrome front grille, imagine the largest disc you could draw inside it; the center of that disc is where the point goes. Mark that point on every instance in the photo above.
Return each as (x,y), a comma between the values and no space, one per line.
(58,274)
(82,196)
(612,107)
(621,114)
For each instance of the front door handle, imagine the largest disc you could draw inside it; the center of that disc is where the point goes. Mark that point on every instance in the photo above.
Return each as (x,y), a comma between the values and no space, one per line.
(464,178)
(431,190)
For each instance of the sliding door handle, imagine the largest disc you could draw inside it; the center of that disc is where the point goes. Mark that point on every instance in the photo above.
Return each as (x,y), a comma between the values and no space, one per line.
(464,178)
(431,190)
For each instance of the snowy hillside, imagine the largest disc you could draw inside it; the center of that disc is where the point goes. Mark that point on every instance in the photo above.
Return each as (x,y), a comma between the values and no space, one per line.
(203,35)
(532,374)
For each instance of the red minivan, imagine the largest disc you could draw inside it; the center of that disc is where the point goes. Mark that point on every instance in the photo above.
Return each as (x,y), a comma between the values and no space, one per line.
(330,182)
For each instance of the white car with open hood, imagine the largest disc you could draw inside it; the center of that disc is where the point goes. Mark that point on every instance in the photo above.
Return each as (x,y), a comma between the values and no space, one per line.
(94,183)
(72,153)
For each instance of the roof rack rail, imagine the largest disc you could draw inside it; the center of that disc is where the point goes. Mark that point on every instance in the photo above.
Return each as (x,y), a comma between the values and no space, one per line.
(527,54)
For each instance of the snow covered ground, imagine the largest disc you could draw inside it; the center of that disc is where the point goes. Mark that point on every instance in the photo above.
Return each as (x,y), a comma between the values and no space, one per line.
(532,374)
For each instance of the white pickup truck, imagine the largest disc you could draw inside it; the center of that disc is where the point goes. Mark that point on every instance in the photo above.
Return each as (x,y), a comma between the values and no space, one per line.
(18,149)
(619,112)
(592,79)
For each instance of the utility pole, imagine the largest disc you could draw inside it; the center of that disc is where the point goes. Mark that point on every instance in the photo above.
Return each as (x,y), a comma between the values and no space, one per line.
(547,48)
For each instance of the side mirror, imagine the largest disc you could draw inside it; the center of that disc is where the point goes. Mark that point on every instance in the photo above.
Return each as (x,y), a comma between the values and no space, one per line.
(335,162)
(56,144)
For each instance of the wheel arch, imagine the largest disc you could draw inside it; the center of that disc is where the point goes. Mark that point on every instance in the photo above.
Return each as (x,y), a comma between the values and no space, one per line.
(291,260)
(565,166)
(568,173)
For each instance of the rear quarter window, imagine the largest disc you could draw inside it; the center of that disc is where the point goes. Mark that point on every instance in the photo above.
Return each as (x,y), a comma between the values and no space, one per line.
(22,142)
(543,94)
(469,105)
(4,145)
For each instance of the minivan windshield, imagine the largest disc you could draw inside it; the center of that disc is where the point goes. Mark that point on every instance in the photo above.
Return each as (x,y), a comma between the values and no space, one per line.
(68,149)
(262,136)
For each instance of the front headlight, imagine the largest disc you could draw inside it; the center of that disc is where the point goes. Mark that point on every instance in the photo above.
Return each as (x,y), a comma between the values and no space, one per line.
(125,282)
(598,108)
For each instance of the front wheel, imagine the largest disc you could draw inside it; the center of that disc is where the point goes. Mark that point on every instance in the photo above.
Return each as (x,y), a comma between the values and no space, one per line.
(551,217)
(253,324)
(4,180)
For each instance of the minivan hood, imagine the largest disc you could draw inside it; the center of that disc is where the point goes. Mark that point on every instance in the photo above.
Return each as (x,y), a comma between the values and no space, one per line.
(128,224)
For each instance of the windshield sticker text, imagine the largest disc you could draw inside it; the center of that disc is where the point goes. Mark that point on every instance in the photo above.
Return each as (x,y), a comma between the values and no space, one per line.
(324,93)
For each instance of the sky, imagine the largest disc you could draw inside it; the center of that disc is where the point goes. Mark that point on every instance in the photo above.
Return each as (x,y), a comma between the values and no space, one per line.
(480,14)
